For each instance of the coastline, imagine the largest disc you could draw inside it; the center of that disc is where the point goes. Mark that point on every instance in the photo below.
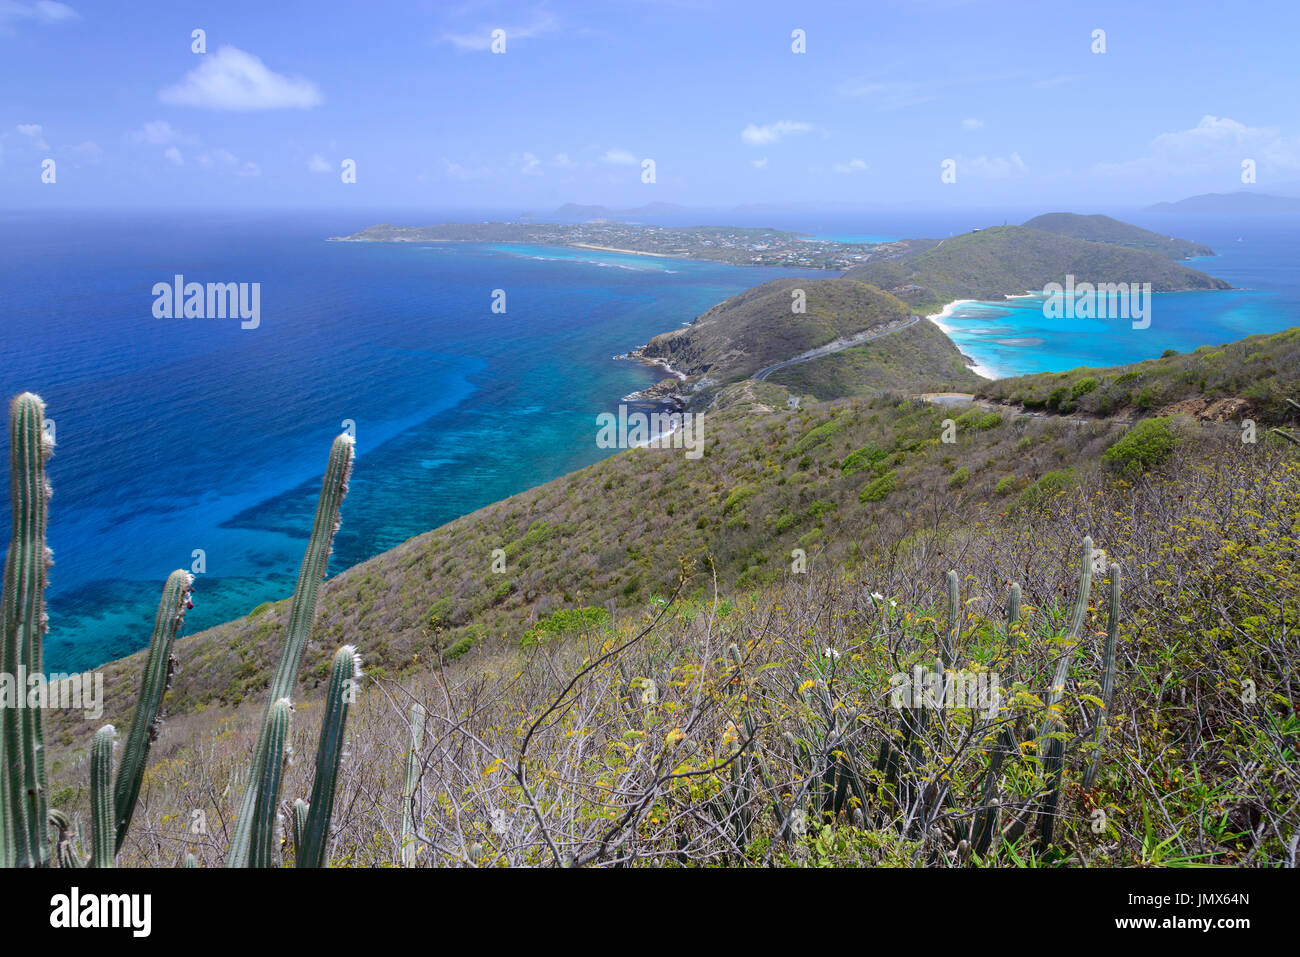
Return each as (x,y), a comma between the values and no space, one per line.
(946,312)
(626,252)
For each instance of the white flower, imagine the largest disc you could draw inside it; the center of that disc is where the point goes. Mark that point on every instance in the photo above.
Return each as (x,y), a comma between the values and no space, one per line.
(831,653)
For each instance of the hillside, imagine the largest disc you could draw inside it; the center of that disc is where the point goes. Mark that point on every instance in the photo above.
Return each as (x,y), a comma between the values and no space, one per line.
(881,507)
(1250,378)
(1104,229)
(759,327)
(1009,260)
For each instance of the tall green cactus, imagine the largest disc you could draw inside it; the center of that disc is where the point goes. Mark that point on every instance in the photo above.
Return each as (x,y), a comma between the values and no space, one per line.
(263,849)
(412,780)
(101,797)
(22,626)
(303,609)
(153,685)
(954,621)
(314,832)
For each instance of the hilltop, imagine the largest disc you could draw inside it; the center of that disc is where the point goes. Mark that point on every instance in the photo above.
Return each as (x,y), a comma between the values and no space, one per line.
(1002,261)
(1104,229)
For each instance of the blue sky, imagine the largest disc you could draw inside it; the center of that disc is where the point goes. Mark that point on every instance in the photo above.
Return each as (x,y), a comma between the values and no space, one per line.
(712,92)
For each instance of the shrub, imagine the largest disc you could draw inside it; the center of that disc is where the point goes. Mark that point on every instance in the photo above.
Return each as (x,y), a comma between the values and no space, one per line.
(1144,446)
(737,497)
(1005,485)
(859,459)
(1048,484)
(959,477)
(990,421)
(564,622)
(877,489)
(1083,387)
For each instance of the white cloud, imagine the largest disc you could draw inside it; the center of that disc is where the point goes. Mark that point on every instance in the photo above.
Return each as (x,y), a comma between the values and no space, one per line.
(756,135)
(992,167)
(759,163)
(173,155)
(852,166)
(159,133)
(482,38)
(1056,80)
(317,164)
(971,124)
(888,94)
(88,151)
(1213,145)
(562,161)
(620,157)
(232,79)
(530,165)
(43,11)
(226,160)
(33,131)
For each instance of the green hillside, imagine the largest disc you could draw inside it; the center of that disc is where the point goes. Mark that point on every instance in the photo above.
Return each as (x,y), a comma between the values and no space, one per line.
(1104,229)
(1010,260)
(1250,378)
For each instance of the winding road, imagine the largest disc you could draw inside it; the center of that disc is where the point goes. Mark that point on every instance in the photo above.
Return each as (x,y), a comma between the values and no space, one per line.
(836,346)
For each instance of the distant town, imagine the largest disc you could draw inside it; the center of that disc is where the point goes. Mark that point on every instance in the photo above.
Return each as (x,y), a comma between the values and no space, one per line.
(729,244)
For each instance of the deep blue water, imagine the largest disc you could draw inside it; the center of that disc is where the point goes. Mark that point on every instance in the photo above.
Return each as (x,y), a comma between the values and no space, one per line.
(183,434)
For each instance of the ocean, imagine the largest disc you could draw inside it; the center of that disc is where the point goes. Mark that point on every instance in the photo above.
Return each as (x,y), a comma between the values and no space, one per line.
(179,438)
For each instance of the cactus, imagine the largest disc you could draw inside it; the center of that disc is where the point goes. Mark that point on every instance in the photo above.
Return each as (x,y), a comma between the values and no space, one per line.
(314,564)
(1053,748)
(300,811)
(312,835)
(157,675)
(190,860)
(412,781)
(22,755)
(1108,674)
(269,761)
(101,797)
(1013,604)
(954,621)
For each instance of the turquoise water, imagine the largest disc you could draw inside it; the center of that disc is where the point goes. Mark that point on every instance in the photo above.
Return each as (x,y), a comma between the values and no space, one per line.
(183,434)
(1016,338)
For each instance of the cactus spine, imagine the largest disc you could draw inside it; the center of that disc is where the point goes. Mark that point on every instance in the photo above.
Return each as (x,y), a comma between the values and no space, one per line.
(412,781)
(312,835)
(314,564)
(22,755)
(101,797)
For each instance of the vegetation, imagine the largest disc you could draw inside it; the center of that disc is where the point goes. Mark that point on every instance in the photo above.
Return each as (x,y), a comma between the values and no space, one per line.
(1103,229)
(1010,260)
(23,810)
(1252,378)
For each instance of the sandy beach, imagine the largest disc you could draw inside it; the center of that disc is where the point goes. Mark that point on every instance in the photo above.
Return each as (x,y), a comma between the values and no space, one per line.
(938,319)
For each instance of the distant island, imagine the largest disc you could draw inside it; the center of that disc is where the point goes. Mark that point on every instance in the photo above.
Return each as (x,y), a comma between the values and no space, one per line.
(1240,202)
(727,244)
